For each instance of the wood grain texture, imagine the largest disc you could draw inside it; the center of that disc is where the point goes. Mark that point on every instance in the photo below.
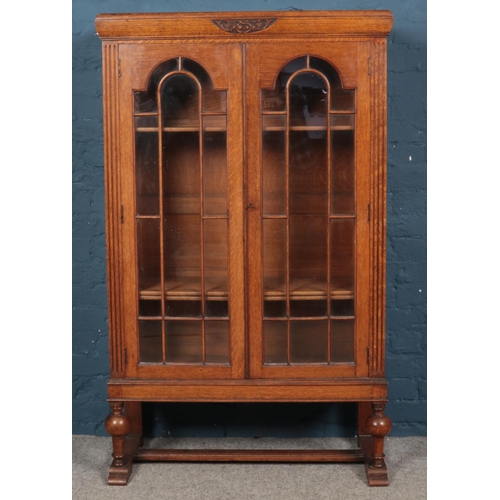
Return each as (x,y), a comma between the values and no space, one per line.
(268,390)
(378,205)
(199,25)
(113,208)
(227,191)
(273,456)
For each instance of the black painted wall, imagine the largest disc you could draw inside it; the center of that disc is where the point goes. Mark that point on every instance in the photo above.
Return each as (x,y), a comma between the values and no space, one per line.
(406,248)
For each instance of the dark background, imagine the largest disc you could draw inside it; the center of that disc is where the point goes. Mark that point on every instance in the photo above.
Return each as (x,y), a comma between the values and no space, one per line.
(406,240)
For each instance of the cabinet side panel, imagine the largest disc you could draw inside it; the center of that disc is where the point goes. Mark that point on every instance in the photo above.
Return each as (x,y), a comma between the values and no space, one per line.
(378,83)
(111,147)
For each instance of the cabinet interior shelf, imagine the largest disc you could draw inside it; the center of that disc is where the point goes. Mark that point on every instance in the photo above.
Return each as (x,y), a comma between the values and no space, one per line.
(271,123)
(216,289)
(270,128)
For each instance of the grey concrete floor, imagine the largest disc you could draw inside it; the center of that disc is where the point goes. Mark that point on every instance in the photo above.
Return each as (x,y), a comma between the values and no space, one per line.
(406,460)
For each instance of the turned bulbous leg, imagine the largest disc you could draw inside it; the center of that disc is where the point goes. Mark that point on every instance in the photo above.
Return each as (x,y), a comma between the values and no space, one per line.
(118,426)
(378,425)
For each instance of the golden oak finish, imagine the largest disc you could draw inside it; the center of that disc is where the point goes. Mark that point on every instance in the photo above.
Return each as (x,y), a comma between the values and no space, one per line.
(245,172)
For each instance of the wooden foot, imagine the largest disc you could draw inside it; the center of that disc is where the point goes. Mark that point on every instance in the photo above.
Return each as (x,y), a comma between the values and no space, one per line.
(124,445)
(378,426)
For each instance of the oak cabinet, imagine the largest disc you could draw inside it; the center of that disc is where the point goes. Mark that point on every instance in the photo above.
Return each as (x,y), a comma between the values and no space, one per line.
(245,201)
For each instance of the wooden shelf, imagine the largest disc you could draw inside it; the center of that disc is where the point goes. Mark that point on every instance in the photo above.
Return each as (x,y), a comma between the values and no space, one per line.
(300,289)
(182,129)
(306,289)
(271,123)
(186,289)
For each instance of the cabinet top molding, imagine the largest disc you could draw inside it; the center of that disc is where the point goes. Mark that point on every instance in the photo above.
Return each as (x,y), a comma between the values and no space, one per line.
(321,23)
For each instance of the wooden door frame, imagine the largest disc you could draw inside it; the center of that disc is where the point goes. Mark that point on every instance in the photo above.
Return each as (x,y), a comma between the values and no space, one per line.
(256,80)
(134,76)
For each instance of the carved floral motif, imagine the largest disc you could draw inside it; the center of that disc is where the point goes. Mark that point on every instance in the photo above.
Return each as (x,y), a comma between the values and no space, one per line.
(243,26)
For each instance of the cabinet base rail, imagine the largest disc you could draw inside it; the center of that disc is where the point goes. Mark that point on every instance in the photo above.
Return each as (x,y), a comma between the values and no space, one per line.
(203,455)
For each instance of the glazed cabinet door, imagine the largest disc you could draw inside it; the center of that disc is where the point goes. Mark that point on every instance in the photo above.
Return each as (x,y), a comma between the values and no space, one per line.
(307,205)
(182,191)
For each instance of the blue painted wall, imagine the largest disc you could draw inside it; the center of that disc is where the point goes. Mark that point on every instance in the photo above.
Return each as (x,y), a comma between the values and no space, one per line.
(406,231)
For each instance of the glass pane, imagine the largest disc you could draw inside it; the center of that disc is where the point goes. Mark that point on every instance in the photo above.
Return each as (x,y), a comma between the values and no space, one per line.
(326,69)
(214,101)
(273,100)
(342,260)
(150,348)
(180,102)
(343,100)
(274,165)
(215,250)
(308,103)
(342,341)
(145,102)
(146,124)
(214,165)
(342,177)
(217,341)
(342,122)
(308,342)
(275,344)
(308,265)
(146,161)
(182,251)
(308,157)
(342,307)
(181,173)
(150,307)
(176,306)
(183,341)
(274,267)
(148,254)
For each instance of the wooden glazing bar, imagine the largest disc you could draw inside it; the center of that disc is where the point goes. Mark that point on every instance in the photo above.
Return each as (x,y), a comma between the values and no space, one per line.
(193,455)
(205,217)
(202,226)
(160,181)
(160,195)
(342,112)
(274,216)
(139,217)
(339,216)
(183,318)
(180,128)
(145,113)
(329,211)
(298,318)
(287,210)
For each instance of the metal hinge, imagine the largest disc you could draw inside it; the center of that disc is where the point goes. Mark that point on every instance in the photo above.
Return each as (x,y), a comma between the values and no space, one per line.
(119,68)
(122,216)
(367,355)
(369,212)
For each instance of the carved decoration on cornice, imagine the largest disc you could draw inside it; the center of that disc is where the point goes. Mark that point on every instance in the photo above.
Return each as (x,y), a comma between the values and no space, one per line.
(243,26)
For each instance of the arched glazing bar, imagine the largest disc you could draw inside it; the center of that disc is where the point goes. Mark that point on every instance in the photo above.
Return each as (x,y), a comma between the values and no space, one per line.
(171,110)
